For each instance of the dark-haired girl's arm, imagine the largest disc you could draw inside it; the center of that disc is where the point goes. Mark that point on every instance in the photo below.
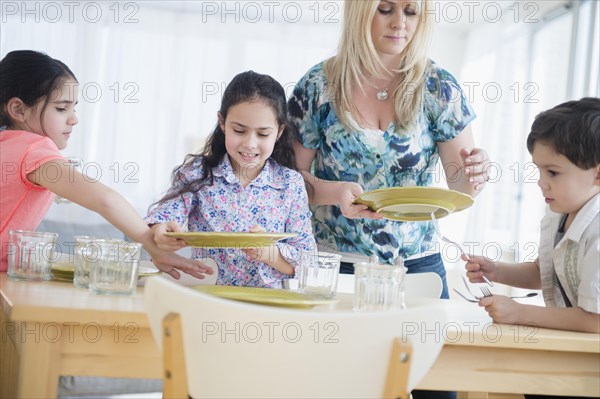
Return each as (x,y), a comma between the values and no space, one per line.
(115,209)
(165,242)
(298,221)
(269,255)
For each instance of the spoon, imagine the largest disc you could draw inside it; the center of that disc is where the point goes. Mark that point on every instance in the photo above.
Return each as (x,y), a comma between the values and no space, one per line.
(529,295)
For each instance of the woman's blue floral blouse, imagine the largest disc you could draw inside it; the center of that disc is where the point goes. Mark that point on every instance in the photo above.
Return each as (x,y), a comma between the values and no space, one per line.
(377,159)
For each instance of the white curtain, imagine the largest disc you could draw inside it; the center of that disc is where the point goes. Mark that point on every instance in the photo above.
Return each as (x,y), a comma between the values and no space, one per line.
(152,74)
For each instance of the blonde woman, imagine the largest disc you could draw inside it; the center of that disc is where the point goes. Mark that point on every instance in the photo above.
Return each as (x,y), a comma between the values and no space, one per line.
(381,114)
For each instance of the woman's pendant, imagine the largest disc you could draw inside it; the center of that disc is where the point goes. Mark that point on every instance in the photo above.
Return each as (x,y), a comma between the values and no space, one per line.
(382,95)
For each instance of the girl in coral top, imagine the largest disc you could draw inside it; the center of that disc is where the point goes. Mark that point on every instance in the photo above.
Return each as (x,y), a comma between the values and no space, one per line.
(38,96)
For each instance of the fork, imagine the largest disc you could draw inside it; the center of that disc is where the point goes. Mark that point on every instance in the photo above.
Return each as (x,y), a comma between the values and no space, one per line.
(466,283)
(464,296)
(438,231)
(442,237)
(485,291)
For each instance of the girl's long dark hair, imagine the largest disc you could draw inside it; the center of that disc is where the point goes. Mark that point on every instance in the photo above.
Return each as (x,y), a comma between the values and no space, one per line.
(245,87)
(30,76)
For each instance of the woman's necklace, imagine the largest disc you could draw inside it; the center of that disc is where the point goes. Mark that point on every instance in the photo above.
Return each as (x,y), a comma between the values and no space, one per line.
(382,95)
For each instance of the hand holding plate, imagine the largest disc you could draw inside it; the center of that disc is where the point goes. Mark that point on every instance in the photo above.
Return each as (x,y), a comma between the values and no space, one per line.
(414,204)
(262,254)
(350,208)
(165,242)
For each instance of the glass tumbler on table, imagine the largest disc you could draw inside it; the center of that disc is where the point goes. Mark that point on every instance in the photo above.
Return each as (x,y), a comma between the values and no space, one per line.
(85,253)
(30,254)
(113,266)
(379,286)
(318,274)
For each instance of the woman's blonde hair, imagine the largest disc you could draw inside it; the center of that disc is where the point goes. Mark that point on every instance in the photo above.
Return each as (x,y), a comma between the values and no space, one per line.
(357,59)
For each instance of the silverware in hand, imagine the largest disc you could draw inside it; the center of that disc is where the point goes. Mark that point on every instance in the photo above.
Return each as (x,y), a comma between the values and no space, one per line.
(442,237)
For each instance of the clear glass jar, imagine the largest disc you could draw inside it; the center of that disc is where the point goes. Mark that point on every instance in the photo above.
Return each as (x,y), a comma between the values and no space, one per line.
(379,286)
(318,274)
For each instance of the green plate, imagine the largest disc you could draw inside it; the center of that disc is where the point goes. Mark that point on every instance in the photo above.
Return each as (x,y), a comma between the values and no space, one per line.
(265,296)
(211,239)
(66,271)
(413,204)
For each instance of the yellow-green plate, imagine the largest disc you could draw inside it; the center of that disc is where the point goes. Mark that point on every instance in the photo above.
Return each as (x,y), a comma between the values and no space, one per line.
(66,271)
(63,271)
(230,240)
(265,296)
(411,204)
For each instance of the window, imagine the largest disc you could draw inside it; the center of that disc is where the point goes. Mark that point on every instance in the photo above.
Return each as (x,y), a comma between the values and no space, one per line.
(522,70)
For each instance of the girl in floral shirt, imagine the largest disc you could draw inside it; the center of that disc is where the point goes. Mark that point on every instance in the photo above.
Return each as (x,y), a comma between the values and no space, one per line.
(245,180)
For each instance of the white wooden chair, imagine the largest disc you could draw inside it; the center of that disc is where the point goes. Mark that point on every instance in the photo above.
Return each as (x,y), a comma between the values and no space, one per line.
(425,285)
(218,348)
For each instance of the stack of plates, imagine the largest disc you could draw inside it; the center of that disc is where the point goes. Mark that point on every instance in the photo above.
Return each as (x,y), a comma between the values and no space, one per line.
(63,271)
(66,271)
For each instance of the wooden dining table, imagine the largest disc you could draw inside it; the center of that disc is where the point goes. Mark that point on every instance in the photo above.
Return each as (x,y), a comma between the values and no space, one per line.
(52,328)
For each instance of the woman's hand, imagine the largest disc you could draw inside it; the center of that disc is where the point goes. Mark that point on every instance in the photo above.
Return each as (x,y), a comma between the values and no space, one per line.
(476,163)
(466,167)
(348,192)
(477,267)
(501,309)
(165,242)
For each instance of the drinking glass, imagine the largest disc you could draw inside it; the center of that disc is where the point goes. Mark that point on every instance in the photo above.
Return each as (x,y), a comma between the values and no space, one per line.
(379,286)
(84,254)
(30,254)
(318,274)
(113,265)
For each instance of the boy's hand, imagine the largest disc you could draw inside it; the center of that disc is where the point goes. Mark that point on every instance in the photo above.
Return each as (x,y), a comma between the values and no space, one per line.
(501,309)
(262,254)
(164,242)
(477,267)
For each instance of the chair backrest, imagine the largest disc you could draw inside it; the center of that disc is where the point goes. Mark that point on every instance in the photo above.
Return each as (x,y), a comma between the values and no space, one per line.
(425,285)
(234,349)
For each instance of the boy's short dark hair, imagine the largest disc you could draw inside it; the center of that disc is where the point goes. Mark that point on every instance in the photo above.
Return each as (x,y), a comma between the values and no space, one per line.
(573,129)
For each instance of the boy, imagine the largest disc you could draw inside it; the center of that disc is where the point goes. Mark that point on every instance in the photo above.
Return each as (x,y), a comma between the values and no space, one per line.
(565,145)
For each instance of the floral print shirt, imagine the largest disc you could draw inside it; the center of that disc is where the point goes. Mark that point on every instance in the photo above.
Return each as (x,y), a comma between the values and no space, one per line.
(275,200)
(377,159)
